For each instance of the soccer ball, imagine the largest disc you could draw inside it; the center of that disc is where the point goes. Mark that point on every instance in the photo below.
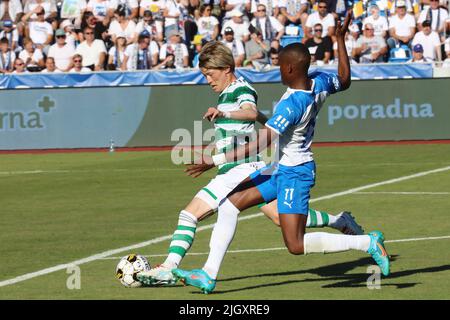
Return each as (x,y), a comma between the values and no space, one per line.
(128,267)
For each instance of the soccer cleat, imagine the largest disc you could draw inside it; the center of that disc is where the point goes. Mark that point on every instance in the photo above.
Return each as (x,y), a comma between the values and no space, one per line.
(378,252)
(158,276)
(197,278)
(349,225)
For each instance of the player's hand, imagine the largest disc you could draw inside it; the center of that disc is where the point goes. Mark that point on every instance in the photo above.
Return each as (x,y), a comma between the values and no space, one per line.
(342,28)
(195,170)
(212,114)
(201,164)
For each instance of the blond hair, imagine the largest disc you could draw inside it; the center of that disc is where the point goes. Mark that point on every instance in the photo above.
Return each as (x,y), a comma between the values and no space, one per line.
(216,55)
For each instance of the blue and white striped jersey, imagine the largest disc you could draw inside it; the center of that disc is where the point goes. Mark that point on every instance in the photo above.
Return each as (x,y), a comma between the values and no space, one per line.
(295,118)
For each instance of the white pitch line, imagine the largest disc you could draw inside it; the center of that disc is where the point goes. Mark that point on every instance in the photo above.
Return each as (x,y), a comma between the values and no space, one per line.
(108,253)
(403,192)
(277,248)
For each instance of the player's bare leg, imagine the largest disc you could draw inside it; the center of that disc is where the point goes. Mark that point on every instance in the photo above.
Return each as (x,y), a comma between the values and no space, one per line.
(344,221)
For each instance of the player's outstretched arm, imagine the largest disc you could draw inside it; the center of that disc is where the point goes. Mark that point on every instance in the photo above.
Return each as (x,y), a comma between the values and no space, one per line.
(247,112)
(343,61)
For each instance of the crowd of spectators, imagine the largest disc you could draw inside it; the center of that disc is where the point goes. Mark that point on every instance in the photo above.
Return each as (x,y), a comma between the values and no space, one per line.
(96,35)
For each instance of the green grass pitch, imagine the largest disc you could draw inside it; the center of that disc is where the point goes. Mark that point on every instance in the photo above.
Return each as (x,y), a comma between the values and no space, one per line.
(58,208)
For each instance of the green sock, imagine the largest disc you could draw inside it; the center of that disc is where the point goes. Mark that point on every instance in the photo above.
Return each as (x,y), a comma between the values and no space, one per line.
(182,239)
(319,219)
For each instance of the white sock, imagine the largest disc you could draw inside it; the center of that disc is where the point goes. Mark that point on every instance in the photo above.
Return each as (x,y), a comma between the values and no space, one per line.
(221,237)
(182,239)
(321,242)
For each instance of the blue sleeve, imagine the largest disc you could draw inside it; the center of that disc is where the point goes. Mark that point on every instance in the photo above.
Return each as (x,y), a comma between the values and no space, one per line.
(329,82)
(285,116)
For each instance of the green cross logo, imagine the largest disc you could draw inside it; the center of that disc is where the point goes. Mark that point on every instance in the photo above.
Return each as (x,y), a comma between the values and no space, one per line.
(46,103)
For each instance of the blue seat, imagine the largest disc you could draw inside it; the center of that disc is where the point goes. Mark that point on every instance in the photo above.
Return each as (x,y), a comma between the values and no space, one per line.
(296,35)
(400,54)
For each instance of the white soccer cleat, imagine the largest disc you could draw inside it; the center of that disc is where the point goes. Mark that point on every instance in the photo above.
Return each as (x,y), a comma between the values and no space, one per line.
(158,276)
(348,224)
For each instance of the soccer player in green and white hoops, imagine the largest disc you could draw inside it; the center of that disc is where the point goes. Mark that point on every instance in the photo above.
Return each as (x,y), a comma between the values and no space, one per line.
(234,118)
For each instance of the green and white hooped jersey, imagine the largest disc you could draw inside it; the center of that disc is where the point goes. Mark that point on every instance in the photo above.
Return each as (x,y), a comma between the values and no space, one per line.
(231,133)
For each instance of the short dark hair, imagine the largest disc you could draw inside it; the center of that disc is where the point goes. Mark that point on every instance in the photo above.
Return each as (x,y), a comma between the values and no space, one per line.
(4,40)
(274,51)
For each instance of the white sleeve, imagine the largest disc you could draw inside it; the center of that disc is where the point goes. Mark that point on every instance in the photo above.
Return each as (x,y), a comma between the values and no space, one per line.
(276,24)
(422,16)
(101,46)
(22,55)
(49,29)
(185,50)
(128,50)
(134,4)
(163,52)
(240,47)
(310,21)
(37,55)
(154,48)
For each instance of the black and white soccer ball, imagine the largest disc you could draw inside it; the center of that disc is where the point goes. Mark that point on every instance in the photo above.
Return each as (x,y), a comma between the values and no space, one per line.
(128,267)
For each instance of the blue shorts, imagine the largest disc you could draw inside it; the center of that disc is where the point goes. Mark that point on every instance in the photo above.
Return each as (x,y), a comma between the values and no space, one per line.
(290,185)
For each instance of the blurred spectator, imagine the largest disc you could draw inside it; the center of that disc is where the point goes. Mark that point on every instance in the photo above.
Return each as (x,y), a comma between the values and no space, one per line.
(131,8)
(156,7)
(10,33)
(215,4)
(269,27)
(429,40)
(72,10)
(123,25)
(370,48)
(116,53)
(274,57)
(272,6)
(71,35)
(142,55)
(319,47)
(32,56)
(239,26)
(235,45)
(167,63)
(230,5)
(78,64)
(408,4)
(172,13)
(350,43)
(19,66)
(50,10)
(40,31)
(155,28)
(207,24)
(402,26)
(257,51)
(177,48)
(293,11)
(198,44)
(100,27)
(101,9)
(436,15)
(11,10)
(417,53)
(62,51)
(92,50)
(50,66)
(7,57)
(323,17)
(379,23)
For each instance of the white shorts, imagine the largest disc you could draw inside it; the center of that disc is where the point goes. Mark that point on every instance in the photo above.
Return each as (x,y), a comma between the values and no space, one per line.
(219,187)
